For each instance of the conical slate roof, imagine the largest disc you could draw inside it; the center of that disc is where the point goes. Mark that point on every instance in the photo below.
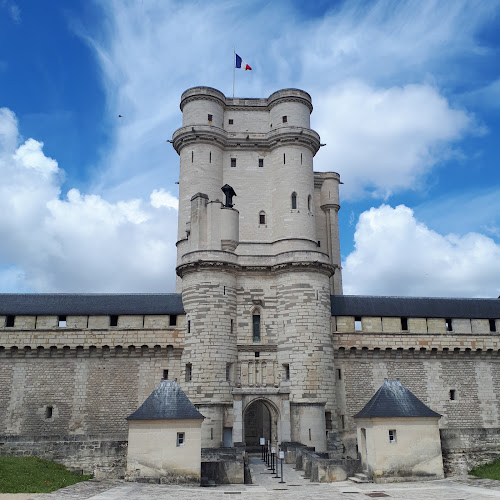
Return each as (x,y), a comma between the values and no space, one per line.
(393,399)
(166,402)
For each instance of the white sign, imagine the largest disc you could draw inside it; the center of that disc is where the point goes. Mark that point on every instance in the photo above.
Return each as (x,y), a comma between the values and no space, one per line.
(262,441)
(273,451)
(282,455)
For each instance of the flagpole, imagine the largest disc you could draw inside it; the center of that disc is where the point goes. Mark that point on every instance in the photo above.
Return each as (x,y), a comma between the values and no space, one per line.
(234,64)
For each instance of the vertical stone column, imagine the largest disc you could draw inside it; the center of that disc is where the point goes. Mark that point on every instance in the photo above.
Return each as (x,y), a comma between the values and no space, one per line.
(330,205)
(209,298)
(305,343)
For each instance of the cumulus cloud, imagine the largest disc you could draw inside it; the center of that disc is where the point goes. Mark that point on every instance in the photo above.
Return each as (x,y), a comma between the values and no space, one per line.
(385,140)
(79,242)
(360,62)
(395,254)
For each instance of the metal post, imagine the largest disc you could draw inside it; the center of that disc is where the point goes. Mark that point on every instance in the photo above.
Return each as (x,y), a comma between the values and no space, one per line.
(273,454)
(282,457)
(262,444)
(276,476)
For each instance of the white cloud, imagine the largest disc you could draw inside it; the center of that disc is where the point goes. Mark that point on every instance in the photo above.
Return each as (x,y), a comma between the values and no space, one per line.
(395,254)
(385,140)
(161,198)
(358,62)
(81,242)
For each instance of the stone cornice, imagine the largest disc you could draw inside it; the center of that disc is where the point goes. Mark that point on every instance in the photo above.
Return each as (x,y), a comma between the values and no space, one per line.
(282,267)
(425,343)
(209,134)
(126,350)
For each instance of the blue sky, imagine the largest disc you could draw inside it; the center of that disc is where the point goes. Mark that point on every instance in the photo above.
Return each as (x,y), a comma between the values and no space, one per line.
(406,96)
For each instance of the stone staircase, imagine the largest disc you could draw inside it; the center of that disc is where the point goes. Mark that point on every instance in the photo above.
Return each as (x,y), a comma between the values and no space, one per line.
(360,477)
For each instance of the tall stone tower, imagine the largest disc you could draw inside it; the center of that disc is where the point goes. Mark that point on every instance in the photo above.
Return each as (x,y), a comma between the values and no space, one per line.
(258,257)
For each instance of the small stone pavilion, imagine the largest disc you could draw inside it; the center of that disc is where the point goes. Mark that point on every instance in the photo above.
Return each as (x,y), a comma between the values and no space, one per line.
(164,437)
(398,436)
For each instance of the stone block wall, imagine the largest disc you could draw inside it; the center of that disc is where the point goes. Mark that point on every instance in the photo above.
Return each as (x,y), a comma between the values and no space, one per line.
(465,448)
(102,457)
(456,373)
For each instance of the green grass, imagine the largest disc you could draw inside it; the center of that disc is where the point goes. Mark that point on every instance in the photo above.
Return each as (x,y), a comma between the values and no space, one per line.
(34,475)
(488,471)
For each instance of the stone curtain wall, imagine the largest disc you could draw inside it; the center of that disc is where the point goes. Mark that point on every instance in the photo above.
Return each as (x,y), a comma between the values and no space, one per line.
(90,392)
(430,376)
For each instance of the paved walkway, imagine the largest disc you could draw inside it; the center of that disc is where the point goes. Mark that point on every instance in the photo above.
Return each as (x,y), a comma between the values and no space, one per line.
(295,488)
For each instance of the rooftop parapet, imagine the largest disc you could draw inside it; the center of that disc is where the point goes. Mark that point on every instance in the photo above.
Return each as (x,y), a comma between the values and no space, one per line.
(275,98)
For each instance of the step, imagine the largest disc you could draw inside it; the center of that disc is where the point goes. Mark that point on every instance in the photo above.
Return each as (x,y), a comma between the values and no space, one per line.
(359,477)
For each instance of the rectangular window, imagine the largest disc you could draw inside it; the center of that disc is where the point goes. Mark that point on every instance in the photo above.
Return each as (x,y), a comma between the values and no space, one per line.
(339,374)
(211,433)
(342,421)
(192,156)
(404,324)
(233,162)
(319,244)
(357,324)
(262,218)
(10,320)
(257,354)
(189,326)
(189,372)
(181,437)
(453,395)
(493,327)
(449,326)
(61,321)
(286,367)
(285,119)
(165,374)
(231,121)
(113,320)
(261,162)
(328,420)
(232,326)
(210,157)
(49,411)
(256,327)
(392,435)
(284,159)
(228,372)
(173,320)
(210,118)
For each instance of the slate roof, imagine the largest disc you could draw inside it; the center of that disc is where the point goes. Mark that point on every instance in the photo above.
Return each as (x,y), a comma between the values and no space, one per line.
(166,402)
(393,399)
(171,303)
(414,307)
(90,303)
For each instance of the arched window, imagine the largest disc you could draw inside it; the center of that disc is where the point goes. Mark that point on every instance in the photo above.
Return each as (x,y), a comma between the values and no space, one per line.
(309,200)
(262,217)
(294,201)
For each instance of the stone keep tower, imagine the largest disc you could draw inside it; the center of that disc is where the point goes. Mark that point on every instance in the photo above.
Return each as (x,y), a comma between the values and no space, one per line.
(257,259)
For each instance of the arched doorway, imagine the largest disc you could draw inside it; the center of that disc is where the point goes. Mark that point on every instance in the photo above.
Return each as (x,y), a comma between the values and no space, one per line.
(261,420)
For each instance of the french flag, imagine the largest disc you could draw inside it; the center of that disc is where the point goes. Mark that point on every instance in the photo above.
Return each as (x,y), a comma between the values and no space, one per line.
(241,64)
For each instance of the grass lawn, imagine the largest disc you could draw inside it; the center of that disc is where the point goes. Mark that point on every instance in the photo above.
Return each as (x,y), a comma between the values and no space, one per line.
(34,475)
(488,471)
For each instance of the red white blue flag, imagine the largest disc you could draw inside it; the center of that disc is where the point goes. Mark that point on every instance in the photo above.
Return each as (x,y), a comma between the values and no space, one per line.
(240,63)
